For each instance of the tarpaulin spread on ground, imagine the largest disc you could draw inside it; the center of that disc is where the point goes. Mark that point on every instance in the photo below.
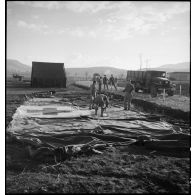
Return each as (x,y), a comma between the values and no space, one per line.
(56,122)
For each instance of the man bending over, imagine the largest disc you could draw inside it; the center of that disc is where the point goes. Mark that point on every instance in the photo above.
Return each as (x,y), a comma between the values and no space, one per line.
(101,101)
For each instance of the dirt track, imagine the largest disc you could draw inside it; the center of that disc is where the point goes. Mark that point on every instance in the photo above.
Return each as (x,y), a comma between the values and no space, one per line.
(120,169)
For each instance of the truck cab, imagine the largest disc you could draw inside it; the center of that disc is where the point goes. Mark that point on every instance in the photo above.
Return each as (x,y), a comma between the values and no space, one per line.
(159,84)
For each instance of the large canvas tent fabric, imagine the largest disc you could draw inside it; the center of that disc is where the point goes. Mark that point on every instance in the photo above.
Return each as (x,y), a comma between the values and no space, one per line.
(47,74)
(51,122)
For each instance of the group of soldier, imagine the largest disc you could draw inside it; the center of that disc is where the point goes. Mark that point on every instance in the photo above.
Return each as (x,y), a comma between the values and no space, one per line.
(100,99)
(104,81)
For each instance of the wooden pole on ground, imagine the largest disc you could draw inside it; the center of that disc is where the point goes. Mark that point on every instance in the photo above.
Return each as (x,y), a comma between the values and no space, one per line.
(180,89)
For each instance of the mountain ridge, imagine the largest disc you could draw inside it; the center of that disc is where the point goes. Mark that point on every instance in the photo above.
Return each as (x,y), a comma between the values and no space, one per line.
(16,67)
(178,67)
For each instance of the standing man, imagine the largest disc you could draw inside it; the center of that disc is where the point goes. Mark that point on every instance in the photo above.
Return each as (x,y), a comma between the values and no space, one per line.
(116,81)
(94,78)
(105,82)
(112,82)
(93,92)
(100,84)
(129,88)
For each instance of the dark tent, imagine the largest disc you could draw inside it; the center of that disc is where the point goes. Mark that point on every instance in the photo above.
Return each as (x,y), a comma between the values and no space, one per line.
(46,74)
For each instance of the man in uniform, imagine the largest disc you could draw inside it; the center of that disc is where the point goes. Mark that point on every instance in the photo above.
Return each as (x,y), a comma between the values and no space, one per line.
(129,88)
(105,82)
(102,101)
(100,84)
(93,92)
(116,82)
(112,82)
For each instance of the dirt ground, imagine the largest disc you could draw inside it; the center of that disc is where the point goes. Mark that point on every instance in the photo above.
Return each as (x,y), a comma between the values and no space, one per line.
(178,102)
(121,169)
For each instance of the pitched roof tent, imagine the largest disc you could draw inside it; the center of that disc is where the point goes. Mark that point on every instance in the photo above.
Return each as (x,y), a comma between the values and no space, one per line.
(47,74)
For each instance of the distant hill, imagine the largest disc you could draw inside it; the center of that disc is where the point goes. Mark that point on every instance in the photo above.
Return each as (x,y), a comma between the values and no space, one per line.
(16,67)
(179,67)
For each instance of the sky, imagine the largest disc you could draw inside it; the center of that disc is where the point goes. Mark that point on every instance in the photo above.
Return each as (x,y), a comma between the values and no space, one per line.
(121,34)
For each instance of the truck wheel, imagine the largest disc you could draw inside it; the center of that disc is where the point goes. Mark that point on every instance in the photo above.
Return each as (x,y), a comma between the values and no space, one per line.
(146,91)
(170,93)
(153,91)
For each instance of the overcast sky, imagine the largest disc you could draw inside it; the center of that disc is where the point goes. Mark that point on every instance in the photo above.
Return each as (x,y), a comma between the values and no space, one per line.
(86,34)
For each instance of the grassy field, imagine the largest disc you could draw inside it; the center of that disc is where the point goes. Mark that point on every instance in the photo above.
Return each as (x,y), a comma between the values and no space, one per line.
(175,102)
(119,169)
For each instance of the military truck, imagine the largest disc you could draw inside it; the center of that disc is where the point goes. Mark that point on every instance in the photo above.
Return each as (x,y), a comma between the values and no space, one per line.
(151,81)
